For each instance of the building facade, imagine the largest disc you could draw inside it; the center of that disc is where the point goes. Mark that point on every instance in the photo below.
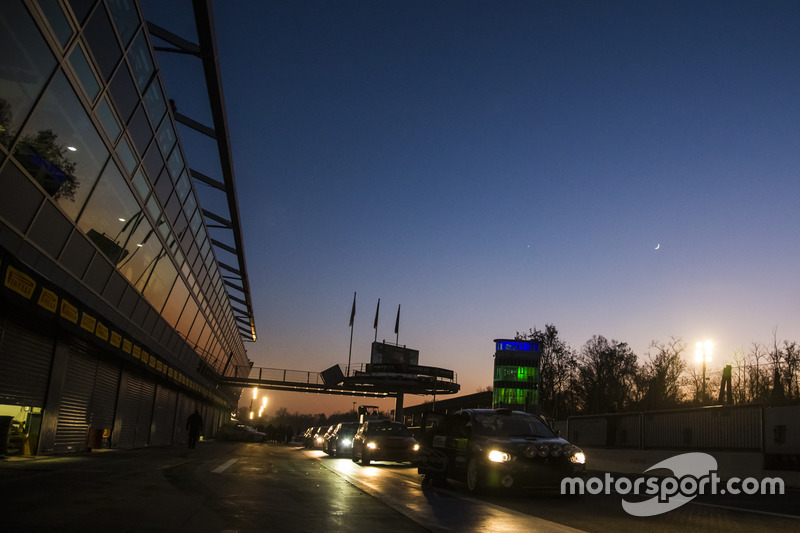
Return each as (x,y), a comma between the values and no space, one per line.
(119,310)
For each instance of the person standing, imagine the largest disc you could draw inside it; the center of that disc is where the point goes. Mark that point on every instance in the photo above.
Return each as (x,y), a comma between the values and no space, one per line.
(194,424)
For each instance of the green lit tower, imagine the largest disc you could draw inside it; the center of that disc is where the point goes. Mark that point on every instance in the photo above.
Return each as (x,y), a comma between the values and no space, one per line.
(516,375)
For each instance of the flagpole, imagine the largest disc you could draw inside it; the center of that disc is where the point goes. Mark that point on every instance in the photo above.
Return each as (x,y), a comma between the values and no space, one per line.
(397,327)
(352,320)
(377,313)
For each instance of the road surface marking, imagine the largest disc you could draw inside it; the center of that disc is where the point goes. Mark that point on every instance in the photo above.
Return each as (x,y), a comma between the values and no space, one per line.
(223,467)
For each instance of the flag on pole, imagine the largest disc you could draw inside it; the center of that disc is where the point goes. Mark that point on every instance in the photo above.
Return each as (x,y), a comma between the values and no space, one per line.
(397,322)
(353,312)
(377,312)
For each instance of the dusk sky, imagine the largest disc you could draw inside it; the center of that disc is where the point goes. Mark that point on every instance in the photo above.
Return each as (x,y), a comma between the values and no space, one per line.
(626,169)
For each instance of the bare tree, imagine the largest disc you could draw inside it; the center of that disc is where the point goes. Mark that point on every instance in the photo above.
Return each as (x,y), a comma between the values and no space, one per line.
(607,375)
(662,373)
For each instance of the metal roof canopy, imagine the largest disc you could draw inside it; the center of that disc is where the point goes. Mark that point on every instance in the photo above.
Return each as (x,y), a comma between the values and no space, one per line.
(206,51)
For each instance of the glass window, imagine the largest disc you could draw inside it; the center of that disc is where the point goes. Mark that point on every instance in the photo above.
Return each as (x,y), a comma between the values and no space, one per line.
(84,71)
(196,221)
(164,230)
(140,131)
(183,187)
(57,19)
(60,148)
(197,328)
(175,303)
(175,163)
(190,205)
(108,120)
(187,318)
(125,17)
(81,8)
(153,208)
(123,93)
(115,222)
(25,65)
(161,278)
(166,136)
(141,63)
(140,184)
(153,163)
(154,100)
(173,208)
(102,42)
(126,155)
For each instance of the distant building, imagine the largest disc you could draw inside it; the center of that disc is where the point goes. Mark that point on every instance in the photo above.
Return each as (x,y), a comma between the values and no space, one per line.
(516,375)
(123,301)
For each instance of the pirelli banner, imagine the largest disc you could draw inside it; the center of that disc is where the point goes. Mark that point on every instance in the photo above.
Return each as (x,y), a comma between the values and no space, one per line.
(22,288)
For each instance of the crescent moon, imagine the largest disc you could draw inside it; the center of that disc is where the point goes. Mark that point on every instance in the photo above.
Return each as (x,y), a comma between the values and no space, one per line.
(658,245)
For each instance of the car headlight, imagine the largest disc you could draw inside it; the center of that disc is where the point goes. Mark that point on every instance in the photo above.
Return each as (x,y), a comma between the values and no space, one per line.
(496,456)
(371,445)
(346,442)
(577,456)
(415,447)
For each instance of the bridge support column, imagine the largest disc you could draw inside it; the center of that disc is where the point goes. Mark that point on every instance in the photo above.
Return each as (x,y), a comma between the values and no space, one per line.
(398,408)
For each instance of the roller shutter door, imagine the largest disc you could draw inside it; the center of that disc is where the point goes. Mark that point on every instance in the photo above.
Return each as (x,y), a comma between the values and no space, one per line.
(128,410)
(145,417)
(163,416)
(104,397)
(135,411)
(73,413)
(25,361)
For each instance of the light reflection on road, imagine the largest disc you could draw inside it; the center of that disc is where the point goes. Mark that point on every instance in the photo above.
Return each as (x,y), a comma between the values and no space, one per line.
(440,510)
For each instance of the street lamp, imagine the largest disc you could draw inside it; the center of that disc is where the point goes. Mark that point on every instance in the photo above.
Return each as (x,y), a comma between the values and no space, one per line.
(703,355)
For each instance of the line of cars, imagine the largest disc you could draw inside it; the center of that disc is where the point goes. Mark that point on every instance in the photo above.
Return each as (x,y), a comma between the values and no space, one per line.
(374,440)
(484,448)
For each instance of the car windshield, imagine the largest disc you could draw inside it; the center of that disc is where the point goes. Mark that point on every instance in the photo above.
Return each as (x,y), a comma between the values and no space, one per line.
(511,425)
(389,429)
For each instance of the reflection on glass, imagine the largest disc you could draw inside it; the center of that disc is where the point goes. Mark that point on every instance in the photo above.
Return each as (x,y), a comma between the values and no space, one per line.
(126,155)
(166,136)
(183,186)
(60,148)
(25,65)
(187,318)
(175,303)
(107,119)
(154,101)
(117,225)
(125,17)
(175,163)
(58,21)
(141,64)
(81,67)
(99,33)
(162,276)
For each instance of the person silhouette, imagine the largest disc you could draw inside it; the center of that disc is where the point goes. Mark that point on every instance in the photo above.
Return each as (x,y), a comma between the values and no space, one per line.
(194,424)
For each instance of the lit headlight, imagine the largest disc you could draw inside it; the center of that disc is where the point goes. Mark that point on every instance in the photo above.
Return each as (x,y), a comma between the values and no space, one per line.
(578,457)
(496,456)
(371,445)
(415,447)
(346,442)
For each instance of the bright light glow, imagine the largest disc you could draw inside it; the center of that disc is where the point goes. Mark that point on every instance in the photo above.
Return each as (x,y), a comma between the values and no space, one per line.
(251,415)
(346,442)
(416,447)
(703,352)
(72,149)
(496,456)
(578,458)
(122,220)
(264,401)
(255,392)
(371,445)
